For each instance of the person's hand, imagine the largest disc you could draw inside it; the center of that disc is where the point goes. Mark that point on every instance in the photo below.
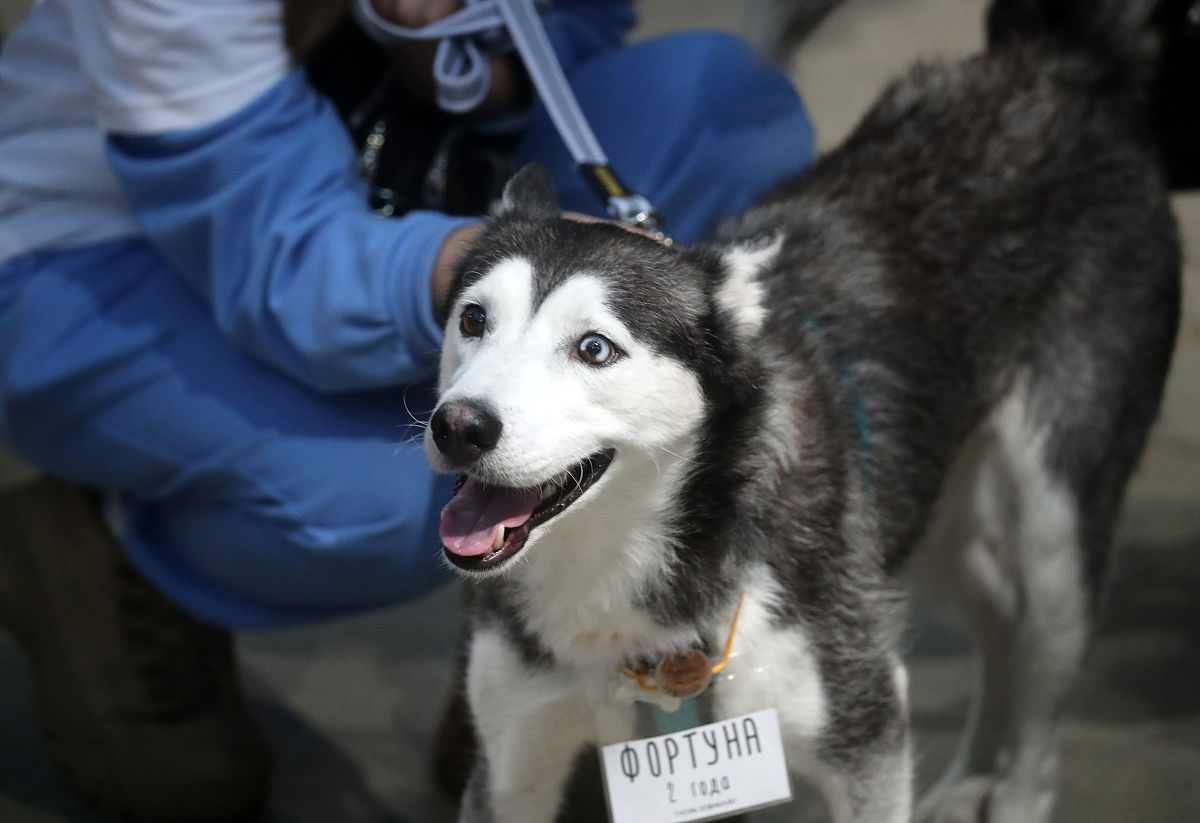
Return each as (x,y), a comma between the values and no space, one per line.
(443,265)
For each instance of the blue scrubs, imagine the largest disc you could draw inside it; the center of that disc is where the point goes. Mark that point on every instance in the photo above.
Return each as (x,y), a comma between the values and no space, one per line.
(257,399)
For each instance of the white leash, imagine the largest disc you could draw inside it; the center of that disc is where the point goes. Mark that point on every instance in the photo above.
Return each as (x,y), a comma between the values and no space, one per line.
(462,76)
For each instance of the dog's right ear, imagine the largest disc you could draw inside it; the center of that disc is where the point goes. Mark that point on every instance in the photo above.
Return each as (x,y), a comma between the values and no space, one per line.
(530,194)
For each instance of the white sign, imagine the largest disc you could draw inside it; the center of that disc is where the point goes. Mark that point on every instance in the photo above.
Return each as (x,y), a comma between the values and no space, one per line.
(704,773)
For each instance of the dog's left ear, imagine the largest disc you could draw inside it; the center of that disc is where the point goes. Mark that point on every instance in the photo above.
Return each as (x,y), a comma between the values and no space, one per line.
(530,194)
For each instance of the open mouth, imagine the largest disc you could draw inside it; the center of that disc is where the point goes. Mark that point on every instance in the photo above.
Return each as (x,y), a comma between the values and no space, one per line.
(483,525)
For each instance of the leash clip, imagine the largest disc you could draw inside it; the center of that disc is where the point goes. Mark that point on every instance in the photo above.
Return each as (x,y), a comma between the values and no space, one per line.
(635,211)
(624,204)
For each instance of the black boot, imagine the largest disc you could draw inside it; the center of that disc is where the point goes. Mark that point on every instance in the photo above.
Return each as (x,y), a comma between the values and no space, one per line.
(139,701)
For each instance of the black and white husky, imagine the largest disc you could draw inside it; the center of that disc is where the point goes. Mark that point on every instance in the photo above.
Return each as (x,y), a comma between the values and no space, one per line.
(940,349)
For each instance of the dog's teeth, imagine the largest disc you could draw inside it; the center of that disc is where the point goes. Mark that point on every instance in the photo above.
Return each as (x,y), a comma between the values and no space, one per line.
(547,490)
(499,538)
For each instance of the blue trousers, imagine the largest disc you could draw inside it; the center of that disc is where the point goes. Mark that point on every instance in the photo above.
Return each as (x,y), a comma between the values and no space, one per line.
(254,499)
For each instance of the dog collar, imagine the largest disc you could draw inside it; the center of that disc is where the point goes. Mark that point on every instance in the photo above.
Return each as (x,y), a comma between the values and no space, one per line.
(681,674)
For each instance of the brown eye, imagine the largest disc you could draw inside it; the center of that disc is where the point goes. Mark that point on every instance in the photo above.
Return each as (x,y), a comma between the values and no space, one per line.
(473,321)
(597,350)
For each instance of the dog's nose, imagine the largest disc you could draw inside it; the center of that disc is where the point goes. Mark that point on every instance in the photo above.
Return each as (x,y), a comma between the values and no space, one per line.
(464,431)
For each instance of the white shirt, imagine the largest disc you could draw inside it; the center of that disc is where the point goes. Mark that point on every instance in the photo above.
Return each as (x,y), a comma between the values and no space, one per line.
(76,69)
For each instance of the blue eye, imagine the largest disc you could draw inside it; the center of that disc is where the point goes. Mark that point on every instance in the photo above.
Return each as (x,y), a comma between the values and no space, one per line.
(597,350)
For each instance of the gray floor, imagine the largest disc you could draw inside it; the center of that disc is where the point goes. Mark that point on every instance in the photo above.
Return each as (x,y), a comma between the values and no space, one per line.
(350,705)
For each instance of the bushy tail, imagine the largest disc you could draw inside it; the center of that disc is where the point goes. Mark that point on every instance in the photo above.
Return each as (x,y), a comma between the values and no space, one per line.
(1117,35)
(1117,41)
(776,27)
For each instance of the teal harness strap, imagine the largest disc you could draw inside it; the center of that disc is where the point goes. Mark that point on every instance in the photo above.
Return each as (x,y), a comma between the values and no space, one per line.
(858,408)
(687,716)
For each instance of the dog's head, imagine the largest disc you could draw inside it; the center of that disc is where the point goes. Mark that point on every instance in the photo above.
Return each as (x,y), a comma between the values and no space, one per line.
(572,350)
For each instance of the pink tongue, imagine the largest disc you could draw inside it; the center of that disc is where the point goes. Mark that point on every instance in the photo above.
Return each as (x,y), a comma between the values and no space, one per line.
(472,518)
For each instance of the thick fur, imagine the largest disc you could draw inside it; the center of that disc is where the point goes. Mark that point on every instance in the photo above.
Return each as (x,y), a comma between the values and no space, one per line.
(940,349)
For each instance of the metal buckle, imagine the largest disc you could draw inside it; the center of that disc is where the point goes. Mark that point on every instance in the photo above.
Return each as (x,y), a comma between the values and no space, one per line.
(635,211)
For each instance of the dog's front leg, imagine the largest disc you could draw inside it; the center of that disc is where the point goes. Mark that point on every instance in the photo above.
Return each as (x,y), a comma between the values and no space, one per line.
(841,699)
(532,725)
(872,785)
(863,759)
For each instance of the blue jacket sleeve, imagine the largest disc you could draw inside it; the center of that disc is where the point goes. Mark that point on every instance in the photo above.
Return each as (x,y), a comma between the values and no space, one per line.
(263,214)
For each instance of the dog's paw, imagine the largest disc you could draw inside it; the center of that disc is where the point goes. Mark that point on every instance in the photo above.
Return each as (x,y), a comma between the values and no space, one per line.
(967,801)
